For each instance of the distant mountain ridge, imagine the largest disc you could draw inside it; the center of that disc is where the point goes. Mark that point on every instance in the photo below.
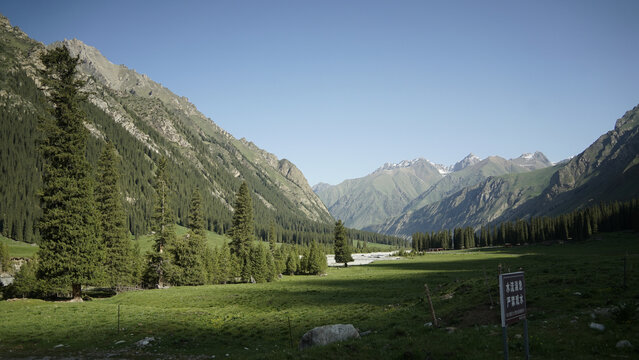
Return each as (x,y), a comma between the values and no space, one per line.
(606,171)
(364,202)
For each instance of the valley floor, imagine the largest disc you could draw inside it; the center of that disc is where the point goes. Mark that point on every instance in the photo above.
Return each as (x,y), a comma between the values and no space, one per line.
(569,286)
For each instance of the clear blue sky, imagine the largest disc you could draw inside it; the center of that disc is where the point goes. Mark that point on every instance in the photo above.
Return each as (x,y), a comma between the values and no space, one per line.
(341,87)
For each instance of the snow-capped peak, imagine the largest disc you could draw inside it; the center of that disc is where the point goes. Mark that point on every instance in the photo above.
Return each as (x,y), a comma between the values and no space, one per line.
(470,159)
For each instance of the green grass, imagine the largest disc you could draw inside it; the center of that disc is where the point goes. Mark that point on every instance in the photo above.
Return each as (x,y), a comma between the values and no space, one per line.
(19,249)
(212,239)
(251,320)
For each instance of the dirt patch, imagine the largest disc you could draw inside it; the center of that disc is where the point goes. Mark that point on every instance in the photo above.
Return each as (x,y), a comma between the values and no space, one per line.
(481,315)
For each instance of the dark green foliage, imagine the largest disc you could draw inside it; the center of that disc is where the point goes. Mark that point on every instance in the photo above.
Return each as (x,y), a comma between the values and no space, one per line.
(576,226)
(196,221)
(292,264)
(222,265)
(119,269)
(5,260)
(341,244)
(70,250)
(159,261)
(259,265)
(242,231)
(189,255)
(313,260)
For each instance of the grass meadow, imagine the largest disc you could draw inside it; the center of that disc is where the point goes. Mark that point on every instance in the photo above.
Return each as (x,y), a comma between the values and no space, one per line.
(568,286)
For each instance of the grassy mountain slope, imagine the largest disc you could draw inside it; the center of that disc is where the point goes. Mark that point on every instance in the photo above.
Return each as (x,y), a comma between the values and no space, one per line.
(145,121)
(379,195)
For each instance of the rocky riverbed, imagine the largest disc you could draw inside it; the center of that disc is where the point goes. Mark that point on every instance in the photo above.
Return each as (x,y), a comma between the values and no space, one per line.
(363,259)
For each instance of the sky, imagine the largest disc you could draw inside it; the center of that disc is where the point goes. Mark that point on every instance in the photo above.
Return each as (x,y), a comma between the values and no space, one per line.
(341,87)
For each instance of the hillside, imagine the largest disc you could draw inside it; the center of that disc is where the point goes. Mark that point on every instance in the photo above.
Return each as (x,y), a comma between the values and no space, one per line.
(606,171)
(379,195)
(475,172)
(145,121)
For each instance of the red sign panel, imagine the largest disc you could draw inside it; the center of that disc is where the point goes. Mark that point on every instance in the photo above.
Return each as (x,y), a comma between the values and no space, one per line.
(512,294)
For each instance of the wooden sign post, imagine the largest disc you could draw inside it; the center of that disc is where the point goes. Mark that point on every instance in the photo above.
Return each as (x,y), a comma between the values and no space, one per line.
(512,298)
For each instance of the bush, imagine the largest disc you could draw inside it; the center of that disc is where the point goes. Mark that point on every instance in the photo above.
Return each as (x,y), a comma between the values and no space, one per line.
(27,285)
(624,313)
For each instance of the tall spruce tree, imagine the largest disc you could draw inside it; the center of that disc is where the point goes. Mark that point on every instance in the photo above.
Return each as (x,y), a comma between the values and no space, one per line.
(159,261)
(272,235)
(189,253)
(242,230)
(70,249)
(341,246)
(119,263)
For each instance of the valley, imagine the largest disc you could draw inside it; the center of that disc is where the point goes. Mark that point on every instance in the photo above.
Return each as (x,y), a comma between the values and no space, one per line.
(568,287)
(137,225)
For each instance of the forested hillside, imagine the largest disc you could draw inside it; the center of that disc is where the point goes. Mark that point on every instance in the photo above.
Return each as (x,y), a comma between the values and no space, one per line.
(145,122)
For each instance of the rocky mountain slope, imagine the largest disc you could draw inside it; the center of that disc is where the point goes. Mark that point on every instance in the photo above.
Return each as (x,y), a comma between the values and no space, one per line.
(379,195)
(473,172)
(606,171)
(395,189)
(145,121)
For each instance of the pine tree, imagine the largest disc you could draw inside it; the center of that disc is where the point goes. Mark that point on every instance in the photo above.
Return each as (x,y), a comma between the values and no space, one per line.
(119,266)
(70,249)
(242,230)
(341,245)
(188,253)
(272,236)
(4,257)
(159,261)
(259,263)
(317,260)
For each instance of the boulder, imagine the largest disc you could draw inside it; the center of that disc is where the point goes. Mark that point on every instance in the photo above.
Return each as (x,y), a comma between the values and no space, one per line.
(327,334)
(623,344)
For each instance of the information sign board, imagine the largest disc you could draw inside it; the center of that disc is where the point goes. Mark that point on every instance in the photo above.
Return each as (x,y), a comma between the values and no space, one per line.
(512,295)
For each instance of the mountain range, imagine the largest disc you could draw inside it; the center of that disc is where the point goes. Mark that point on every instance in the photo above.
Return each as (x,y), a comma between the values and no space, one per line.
(420,196)
(605,171)
(395,189)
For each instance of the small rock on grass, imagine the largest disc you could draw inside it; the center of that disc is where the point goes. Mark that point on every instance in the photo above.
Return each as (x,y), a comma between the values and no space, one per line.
(146,341)
(623,344)
(596,326)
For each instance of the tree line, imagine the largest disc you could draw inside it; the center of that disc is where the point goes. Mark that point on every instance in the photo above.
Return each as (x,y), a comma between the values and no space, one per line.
(573,226)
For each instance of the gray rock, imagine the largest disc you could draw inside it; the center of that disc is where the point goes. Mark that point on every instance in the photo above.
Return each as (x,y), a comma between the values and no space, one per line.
(146,341)
(327,334)
(596,326)
(623,344)
(6,279)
